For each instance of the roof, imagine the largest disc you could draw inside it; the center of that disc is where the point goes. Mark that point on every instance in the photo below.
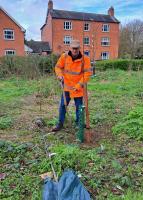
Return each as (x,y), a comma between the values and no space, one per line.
(38,46)
(22,29)
(27,48)
(72,15)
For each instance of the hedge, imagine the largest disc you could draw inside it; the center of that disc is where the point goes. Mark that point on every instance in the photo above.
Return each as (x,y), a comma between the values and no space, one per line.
(28,66)
(35,66)
(120,64)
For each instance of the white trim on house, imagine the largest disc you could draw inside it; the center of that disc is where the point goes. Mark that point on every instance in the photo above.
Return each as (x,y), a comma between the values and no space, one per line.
(107,26)
(86,24)
(6,34)
(86,40)
(105,55)
(105,41)
(22,29)
(67,39)
(66,25)
(10,52)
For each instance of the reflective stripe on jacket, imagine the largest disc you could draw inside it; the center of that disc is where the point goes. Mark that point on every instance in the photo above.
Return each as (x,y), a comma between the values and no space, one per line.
(75,73)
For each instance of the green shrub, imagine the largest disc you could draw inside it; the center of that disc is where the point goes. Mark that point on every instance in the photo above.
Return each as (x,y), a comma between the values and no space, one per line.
(5,122)
(120,64)
(132,124)
(47,64)
(28,66)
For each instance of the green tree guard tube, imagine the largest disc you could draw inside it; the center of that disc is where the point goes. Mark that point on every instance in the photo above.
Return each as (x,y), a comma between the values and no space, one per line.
(81,125)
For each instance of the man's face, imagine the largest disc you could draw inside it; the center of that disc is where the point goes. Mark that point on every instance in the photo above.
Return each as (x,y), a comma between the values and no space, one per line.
(75,51)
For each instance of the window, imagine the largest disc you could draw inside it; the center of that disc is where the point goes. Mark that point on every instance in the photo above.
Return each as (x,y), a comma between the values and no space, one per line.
(105,41)
(8,34)
(87,53)
(86,41)
(86,27)
(9,52)
(67,25)
(105,55)
(105,28)
(67,39)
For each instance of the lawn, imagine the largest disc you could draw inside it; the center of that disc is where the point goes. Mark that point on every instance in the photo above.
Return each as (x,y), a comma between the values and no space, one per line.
(110,168)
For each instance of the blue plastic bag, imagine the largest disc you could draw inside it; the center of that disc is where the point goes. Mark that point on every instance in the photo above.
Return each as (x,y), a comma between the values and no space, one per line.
(69,187)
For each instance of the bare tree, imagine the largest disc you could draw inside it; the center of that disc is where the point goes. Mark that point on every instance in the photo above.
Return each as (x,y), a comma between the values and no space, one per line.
(124,46)
(131,37)
(139,53)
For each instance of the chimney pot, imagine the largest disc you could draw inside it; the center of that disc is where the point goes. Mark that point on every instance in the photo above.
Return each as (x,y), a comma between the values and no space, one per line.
(50,5)
(111,11)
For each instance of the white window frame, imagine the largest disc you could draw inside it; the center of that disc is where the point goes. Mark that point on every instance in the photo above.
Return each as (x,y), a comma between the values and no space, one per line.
(85,42)
(86,24)
(103,28)
(103,57)
(105,41)
(67,25)
(7,52)
(88,52)
(6,34)
(67,39)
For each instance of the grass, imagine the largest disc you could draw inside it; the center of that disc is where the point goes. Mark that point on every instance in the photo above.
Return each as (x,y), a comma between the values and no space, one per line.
(13,88)
(111,168)
(132,124)
(114,94)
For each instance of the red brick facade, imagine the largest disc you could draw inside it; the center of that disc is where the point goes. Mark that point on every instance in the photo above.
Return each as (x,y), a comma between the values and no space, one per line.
(46,32)
(53,31)
(16,43)
(77,33)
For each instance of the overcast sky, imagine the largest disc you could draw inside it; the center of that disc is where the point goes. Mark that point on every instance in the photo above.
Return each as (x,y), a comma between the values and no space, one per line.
(31,14)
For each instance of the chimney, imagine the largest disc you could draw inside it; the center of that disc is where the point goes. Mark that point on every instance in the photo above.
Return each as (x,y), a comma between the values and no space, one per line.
(50,5)
(111,11)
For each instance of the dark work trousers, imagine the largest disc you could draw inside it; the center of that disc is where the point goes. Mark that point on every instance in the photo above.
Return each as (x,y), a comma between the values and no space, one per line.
(62,111)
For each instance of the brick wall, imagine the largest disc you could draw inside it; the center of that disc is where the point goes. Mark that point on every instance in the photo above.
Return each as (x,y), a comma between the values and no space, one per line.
(56,37)
(46,32)
(18,43)
(95,34)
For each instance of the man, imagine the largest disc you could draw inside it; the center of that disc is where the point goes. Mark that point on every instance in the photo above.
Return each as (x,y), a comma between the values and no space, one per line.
(73,70)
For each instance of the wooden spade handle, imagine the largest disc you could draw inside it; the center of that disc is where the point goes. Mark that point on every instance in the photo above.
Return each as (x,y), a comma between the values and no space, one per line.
(88,134)
(65,100)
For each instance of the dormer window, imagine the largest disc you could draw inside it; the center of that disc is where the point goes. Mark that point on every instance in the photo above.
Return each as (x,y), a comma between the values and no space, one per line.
(67,25)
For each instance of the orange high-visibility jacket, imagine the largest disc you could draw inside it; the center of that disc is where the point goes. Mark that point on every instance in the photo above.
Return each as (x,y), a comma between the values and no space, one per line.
(75,73)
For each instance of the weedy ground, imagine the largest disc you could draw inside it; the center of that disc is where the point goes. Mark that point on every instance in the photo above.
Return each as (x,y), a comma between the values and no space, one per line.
(111,167)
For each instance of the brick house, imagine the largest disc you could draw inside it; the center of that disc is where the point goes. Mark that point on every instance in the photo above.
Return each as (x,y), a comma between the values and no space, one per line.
(11,35)
(98,33)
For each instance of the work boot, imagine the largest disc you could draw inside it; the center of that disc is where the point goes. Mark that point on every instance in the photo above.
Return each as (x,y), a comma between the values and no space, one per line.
(58,127)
